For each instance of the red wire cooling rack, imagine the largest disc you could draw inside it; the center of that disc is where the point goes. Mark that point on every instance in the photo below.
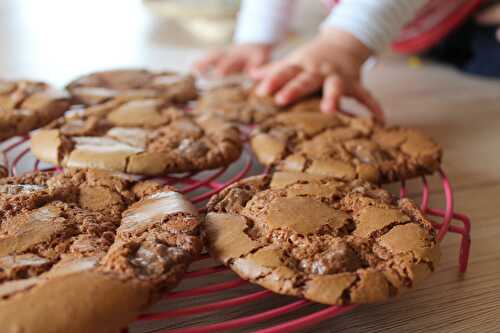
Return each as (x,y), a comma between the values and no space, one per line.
(202,289)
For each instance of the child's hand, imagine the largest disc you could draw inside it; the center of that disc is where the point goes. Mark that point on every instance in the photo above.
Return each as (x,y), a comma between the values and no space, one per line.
(234,59)
(332,62)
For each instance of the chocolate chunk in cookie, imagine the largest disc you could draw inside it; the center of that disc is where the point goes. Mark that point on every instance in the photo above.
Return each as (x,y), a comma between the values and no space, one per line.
(138,136)
(327,240)
(101,245)
(344,147)
(102,86)
(27,105)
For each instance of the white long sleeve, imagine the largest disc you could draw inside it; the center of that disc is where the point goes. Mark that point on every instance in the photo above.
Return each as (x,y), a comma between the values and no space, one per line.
(374,22)
(263,21)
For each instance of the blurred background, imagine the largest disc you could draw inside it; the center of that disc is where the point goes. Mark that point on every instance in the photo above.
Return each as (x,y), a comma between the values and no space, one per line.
(57,40)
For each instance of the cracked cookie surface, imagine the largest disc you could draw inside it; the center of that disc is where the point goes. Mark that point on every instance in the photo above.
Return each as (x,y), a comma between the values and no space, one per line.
(329,241)
(102,86)
(85,242)
(236,103)
(344,147)
(138,136)
(26,105)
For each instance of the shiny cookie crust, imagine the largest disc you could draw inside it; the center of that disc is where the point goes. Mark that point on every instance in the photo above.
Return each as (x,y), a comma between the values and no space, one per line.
(342,146)
(138,136)
(329,241)
(85,242)
(27,105)
(99,87)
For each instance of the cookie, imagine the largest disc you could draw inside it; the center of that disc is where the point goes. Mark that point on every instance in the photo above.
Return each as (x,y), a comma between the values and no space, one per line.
(3,167)
(144,136)
(27,105)
(84,251)
(236,103)
(342,146)
(326,240)
(102,86)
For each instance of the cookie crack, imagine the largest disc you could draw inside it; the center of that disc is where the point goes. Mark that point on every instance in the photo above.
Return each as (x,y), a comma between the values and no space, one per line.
(302,287)
(127,162)
(249,228)
(65,148)
(26,95)
(267,181)
(230,262)
(291,147)
(287,151)
(381,232)
(308,162)
(20,291)
(345,296)
(264,275)
(27,271)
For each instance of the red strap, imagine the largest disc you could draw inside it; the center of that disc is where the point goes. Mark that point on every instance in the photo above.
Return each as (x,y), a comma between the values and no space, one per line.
(427,39)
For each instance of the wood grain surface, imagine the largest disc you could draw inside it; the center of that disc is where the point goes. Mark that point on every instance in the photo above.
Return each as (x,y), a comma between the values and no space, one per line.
(57,40)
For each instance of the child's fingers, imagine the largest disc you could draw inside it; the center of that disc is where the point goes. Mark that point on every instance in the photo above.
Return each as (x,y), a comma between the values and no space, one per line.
(209,61)
(365,97)
(230,65)
(278,76)
(333,89)
(261,72)
(304,84)
(255,61)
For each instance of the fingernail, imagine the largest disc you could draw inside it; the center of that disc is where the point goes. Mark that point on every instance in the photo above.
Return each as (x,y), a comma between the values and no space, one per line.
(261,90)
(281,100)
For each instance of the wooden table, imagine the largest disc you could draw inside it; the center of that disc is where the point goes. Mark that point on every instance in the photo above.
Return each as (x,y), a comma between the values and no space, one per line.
(57,40)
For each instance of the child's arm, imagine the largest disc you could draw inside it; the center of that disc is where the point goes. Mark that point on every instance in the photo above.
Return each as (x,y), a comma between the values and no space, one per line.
(261,25)
(374,22)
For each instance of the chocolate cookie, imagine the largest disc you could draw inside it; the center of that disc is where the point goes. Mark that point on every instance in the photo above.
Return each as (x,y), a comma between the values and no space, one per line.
(343,147)
(144,136)
(85,251)
(101,86)
(236,103)
(329,241)
(27,105)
